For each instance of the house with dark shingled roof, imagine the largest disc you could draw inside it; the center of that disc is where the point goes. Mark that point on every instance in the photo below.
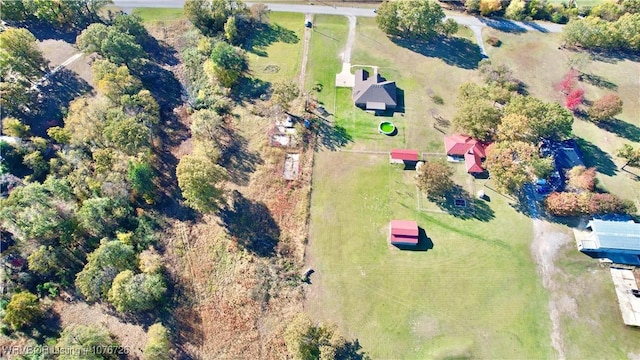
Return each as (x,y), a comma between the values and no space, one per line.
(374,92)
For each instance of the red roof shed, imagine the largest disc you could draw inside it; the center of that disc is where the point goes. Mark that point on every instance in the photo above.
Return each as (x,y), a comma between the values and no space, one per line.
(404,155)
(403,232)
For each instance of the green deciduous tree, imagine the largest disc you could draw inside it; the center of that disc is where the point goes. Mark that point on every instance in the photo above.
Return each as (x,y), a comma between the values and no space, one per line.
(209,127)
(60,135)
(107,261)
(22,310)
(158,344)
(20,56)
(34,211)
(306,341)
(422,19)
(516,10)
(475,114)
(606,107)
(139,292)
(210,16)
(44,260)
(141,176)
(434,179)
(229,63)
(509,164)
(91,38)
(547,120)
(91,342)
(14,127)
(127,134)
(201,182)
(631,155)
(101,216)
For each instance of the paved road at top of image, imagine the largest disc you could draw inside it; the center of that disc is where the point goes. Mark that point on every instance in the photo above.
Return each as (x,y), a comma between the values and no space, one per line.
(467,20)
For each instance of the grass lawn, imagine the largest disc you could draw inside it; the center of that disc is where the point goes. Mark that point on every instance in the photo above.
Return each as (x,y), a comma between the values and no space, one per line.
(277,53)
(159,14)
(327,41)
(476,293)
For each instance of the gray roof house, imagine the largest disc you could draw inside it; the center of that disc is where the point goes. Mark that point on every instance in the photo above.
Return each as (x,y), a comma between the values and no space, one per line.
(374,92)
(618,241)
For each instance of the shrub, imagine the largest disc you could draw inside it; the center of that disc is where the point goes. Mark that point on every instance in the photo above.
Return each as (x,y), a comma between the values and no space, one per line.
(494,41)
(606,107)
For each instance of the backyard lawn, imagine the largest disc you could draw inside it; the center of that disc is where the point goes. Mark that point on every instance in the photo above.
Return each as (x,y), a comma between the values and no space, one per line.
(476,293)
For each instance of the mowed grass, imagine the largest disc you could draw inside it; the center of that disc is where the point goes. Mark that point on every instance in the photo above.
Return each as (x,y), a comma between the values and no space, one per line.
(159,14)
(279,59)
(475,294)
(328,39)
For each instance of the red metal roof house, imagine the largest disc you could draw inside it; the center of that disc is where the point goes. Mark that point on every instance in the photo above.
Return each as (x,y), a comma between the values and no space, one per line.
(464,146)
(400,156)
(403,232)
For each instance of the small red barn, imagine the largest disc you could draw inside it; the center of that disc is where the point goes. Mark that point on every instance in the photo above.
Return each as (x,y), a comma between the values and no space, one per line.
(403,232)
(464,146)
(400,156)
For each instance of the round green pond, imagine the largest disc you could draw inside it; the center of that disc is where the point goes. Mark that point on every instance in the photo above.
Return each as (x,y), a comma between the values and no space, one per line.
(386,127)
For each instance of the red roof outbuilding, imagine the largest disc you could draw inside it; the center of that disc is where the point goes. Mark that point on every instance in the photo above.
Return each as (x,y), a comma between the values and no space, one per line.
(404,155)
(403,232)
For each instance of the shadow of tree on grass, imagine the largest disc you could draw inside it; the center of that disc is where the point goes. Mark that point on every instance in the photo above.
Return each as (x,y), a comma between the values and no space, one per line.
(267,34)
(453,51)
(621,128)
(250,223)
(599,81)
(331,137)
(239,161)
(593,156)
(471,209)
(351,350)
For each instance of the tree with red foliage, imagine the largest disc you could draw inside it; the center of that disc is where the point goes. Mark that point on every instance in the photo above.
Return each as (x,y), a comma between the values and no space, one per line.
(569,81)
(574,99)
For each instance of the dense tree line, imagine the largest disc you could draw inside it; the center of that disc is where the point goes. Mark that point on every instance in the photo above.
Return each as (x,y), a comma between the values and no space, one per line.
(73,219)
(68,13)
(597,33)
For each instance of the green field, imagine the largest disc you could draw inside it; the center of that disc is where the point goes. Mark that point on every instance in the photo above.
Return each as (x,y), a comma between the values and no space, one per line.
(277,52)
(475,294)
(159,14)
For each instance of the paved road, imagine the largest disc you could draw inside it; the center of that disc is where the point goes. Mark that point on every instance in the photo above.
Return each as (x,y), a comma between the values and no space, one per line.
(471,21)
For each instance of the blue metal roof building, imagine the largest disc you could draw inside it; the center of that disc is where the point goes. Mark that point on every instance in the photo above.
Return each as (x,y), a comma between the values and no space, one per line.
(618,241)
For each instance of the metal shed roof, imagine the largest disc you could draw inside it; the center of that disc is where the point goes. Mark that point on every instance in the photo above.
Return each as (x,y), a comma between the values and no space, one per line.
(616,234)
